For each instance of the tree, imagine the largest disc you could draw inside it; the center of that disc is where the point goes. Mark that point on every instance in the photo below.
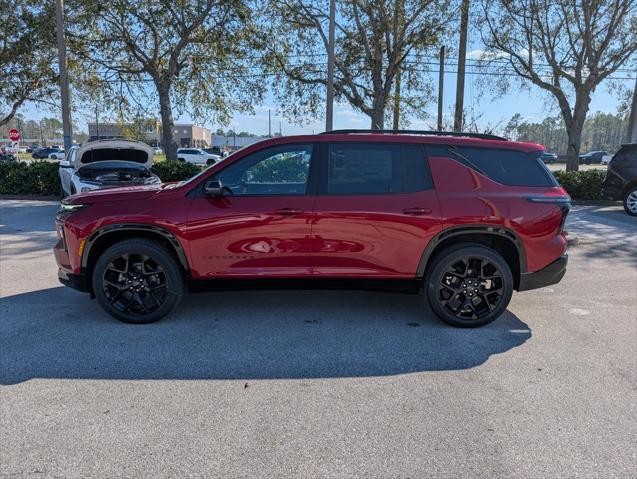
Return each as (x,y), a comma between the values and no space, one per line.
(27,53)
(565,47)
(179,53)
(375,40)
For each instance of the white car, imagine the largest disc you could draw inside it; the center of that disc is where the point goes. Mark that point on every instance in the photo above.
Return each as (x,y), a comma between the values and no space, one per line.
(606,159)
(158,151)
(56,155)
(197,156)
(107,164)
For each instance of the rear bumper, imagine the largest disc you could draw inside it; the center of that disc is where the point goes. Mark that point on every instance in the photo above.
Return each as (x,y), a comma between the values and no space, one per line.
(548,275)
(75,281)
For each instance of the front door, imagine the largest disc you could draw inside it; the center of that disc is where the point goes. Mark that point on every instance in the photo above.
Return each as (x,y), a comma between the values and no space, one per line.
(261,225)
(375,211)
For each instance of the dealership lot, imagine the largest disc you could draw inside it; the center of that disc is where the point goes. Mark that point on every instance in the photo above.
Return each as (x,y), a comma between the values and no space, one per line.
(317,383)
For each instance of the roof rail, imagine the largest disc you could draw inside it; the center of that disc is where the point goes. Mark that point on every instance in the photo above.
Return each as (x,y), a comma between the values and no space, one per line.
(483,136)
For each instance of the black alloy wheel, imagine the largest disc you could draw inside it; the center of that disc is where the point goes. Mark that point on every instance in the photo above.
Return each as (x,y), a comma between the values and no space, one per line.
(469,285)
(137,281)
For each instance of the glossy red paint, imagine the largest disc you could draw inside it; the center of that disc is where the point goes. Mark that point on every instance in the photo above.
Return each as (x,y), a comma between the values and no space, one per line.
(328,236)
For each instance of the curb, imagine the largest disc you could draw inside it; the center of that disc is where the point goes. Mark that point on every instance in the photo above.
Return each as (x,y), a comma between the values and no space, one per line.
(596,203)
(30,197)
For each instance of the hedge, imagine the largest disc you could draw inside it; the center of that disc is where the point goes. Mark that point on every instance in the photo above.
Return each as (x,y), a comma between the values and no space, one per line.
(582,185)
(41,178)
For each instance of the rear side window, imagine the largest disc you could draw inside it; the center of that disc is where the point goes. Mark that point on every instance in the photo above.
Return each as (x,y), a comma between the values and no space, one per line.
(376,168)
(507,167)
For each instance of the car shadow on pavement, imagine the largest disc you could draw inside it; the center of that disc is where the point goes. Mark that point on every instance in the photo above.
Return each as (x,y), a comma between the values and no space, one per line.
(59,333)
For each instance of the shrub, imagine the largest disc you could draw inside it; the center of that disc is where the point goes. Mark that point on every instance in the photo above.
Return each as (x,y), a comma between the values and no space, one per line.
(582,185)
(174,170)
(33,178)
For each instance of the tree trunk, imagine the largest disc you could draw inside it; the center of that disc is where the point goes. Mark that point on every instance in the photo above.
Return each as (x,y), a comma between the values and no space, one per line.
(377,113)
(167,123)
(396,119)
(574,132)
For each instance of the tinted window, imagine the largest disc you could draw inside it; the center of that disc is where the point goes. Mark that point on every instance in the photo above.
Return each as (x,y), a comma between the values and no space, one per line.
(282,170)
(376,168)
(507,167)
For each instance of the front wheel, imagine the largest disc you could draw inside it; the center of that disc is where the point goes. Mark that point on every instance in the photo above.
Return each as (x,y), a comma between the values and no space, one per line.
(469,285)
(630,201)
(137,281)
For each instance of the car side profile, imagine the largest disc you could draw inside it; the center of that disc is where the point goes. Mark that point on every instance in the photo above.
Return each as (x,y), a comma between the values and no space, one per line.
(464,219)
(621,178)
(197,156)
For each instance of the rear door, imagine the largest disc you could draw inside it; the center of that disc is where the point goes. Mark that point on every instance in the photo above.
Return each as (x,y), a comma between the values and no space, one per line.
(375,212)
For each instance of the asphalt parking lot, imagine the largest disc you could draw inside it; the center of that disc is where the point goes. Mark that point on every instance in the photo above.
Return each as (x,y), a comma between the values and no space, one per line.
(317,383)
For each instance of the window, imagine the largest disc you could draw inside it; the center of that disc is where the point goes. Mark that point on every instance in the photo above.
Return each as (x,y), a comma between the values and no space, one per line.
(377,168)
(281,170)
(507,167)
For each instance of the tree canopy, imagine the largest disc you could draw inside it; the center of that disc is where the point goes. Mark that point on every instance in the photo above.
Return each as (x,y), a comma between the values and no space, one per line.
(565,47)
(27,55)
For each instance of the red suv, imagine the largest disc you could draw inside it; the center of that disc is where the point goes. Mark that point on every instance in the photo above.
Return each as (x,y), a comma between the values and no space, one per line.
(466,218)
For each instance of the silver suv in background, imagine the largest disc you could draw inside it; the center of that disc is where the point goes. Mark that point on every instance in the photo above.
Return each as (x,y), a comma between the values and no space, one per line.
(106,164)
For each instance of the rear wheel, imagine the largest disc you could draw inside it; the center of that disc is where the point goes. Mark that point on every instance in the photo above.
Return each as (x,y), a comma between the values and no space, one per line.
(137,281)
(469,285)
(630,201)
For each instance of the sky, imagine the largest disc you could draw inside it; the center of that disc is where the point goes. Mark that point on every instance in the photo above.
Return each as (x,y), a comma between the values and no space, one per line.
(533,104)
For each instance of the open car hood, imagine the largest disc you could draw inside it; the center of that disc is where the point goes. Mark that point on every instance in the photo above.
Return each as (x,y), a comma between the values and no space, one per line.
(114,150)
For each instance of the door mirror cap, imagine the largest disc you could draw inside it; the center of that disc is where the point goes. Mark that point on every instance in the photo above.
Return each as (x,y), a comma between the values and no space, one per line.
(213,188)
(65,164)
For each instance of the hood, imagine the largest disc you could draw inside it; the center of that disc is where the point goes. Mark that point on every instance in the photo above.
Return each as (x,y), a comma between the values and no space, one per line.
(127,193)
(114,150)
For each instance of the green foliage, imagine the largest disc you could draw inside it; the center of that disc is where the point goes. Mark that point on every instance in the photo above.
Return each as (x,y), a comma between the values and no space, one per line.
(33,178)
(27,54)
(582,185)
(279,170)
(174,170)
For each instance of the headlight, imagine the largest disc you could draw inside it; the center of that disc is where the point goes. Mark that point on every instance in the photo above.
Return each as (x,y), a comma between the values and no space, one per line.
(66,208)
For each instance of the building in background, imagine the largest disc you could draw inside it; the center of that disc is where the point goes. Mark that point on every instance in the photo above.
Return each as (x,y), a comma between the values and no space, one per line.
(146,130)
(232,142)
(192,136)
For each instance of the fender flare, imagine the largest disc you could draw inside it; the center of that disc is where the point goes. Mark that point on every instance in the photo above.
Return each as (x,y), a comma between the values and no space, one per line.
(471,229)
(147,228)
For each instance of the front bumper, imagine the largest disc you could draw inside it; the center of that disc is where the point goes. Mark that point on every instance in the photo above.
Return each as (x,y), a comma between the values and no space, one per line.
(75,281)
(551,274)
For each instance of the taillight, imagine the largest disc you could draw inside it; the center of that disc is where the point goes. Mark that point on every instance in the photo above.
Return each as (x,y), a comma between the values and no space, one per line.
(558,197)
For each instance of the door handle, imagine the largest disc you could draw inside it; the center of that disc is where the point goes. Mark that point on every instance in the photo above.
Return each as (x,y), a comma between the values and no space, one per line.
(288,211)
(417,211)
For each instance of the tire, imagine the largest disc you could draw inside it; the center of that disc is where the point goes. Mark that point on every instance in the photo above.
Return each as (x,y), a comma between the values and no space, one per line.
(180,159)
(117,273)
(452,283)
(630,201)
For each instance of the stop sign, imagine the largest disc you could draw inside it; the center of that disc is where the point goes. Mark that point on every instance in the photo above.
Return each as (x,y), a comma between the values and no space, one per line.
(14,134)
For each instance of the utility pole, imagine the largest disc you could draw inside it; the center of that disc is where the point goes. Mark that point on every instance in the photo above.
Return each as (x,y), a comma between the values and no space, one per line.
(64,78)
(632,120)
(41,134)
(462,60)
(329,108)
(269,124)
(280,134)
(441,82)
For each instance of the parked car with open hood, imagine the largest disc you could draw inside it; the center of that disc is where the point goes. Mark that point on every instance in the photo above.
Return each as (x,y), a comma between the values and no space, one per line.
(107,164)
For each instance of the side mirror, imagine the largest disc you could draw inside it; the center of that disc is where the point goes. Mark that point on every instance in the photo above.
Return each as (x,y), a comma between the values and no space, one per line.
(213,188)
(65,164)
